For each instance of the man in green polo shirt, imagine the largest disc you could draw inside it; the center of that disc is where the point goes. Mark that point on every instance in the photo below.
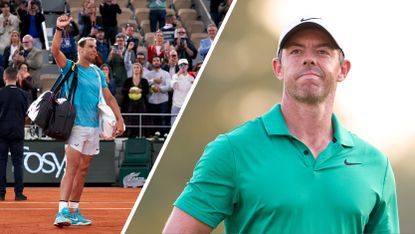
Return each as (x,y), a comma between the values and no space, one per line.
(295,169)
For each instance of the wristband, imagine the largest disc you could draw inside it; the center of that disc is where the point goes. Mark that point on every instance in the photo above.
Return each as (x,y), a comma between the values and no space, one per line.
(59,29)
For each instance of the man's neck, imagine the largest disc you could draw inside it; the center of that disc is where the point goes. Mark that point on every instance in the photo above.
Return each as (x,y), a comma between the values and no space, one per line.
(310,123)
(84,63)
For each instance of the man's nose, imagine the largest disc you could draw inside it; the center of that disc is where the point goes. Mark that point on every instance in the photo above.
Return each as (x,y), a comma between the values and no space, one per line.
(309,58)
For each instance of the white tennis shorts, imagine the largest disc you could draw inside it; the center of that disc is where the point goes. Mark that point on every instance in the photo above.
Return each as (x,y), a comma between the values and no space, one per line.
(85,140)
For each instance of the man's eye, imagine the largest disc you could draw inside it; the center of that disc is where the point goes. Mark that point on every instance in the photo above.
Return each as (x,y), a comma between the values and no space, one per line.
(296,51)
(323,52)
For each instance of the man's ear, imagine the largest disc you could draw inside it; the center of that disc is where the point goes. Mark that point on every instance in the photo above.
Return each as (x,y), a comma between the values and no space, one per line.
(277,68)
(344,70)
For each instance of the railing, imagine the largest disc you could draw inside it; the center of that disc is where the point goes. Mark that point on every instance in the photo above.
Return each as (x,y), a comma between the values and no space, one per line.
(34,132)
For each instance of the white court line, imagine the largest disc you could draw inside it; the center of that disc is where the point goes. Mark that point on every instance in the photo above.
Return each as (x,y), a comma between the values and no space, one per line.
(24,209)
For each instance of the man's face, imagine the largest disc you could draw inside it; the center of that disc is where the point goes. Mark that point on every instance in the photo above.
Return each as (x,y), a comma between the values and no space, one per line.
(156,62)
(173,57)
(130,31)
(100,35)
(120,41)
(181,32)
(27,43)
(212,32)
(89,51)
(310,66)
(140,59)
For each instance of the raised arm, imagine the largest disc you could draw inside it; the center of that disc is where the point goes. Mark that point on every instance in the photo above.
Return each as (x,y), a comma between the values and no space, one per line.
(181,222)
(61,23)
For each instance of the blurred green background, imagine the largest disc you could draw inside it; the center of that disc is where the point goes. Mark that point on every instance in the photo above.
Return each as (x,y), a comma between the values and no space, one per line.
(237,85)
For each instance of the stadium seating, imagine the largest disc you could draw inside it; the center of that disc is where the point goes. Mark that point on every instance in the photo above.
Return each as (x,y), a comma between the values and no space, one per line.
(182,4)
(140,3)
(194,26)
(197,37)
(47,81)
(142,14)
(145,26)
(187,14)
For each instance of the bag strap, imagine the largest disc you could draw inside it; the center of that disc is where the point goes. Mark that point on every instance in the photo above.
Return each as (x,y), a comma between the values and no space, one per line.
(59,82)
(74,85)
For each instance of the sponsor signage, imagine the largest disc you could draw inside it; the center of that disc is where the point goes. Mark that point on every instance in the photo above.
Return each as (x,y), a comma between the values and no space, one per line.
(44,162)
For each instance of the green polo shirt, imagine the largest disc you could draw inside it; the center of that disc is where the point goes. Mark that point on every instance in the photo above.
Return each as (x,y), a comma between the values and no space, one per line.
(261,179)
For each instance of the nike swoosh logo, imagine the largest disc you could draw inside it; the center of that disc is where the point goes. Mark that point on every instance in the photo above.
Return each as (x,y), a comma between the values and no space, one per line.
(351,163)
(307,19)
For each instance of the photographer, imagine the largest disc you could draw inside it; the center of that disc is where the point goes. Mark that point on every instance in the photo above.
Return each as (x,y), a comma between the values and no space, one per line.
(31,23)
(33,57)
(184,46)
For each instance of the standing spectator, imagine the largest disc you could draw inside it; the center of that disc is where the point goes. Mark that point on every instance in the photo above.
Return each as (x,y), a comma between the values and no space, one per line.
(103,47)
(13,49)
(32,56)
(157,13)
(181,84)
(141,59)
(31,23)
(106,69)
(24,80)
(169,29)
(109,10)
(184,46)
(8,24)
(129,32)
(135,91)
(13,106)
(171,67)
(214,11)
(68,44)
(86,18)
(159,81)
(156,49)
(207,42)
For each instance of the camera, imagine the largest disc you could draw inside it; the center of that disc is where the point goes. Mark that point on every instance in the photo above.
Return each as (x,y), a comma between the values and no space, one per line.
(182,41)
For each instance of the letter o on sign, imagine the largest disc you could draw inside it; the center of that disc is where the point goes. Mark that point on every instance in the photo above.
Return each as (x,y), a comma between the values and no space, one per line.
(39,159)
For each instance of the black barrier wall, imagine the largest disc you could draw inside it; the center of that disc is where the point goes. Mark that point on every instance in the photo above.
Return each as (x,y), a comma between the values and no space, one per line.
(44,162)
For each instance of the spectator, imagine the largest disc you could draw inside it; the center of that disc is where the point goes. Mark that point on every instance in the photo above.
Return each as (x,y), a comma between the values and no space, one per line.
(8,24)
(171,67)
(103,48)
(24,80)
(86,18)
(184,46)
(169,29)
(106,69)
(32,56)
(13,106)
(129,32)
(207,42)
(13,49)
(109,10)
(156,49)
(68,44)
(214,11)
(141,59)
(135,91)
(181,84)
(31,23)
(159,81)
(157,14)
(196,69)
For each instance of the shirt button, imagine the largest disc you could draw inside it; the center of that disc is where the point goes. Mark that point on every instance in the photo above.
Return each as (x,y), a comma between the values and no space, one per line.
(305,152)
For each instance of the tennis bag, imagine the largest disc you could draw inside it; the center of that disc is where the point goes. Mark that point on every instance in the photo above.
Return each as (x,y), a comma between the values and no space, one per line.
(55,115)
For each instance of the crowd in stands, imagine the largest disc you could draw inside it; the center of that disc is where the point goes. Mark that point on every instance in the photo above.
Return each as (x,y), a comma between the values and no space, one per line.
(146,75)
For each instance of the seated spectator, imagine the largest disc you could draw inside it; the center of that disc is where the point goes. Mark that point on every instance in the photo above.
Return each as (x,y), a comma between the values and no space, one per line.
(135,91)
(157,14)
(33,57)
(184,46)
(181,84)
(68,43)
(13,49)
(102,45)
(31,24)
(156,49)
(109,10)
(159,81)
(8,24)
(169,29)
(207,42)
(106,69)
(24,80)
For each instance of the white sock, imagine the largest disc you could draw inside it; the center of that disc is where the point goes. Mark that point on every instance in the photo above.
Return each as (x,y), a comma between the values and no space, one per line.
(74,204)
(62,204)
